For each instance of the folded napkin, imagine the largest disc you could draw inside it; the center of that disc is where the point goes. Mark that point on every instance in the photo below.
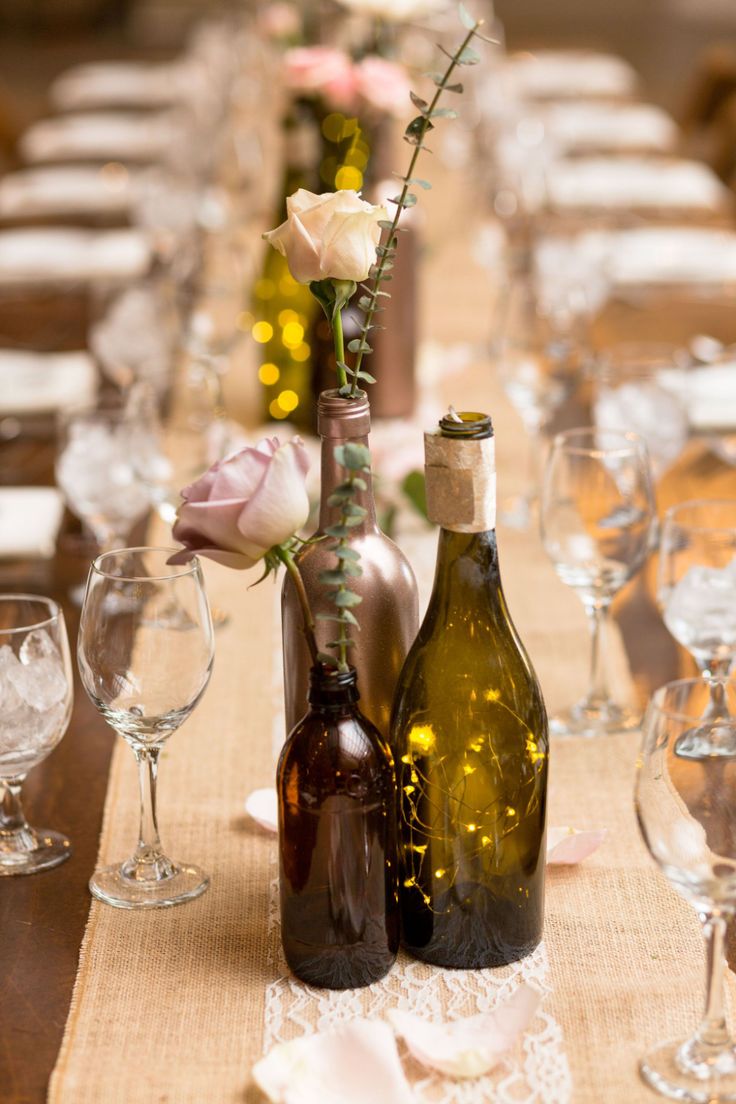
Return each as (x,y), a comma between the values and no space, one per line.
(35,383)
(58,255)
(29,521)
(122,83)
(708,394)
(618,182)
(547,74)
(581,126)
(73,189)
(107,136)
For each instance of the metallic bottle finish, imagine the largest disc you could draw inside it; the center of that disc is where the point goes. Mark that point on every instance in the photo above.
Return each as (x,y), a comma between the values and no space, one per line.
(388,614)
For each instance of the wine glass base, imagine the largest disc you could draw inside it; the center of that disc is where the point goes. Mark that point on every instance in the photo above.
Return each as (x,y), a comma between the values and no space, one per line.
(664,1071)
(591,721)
(111,885)
(45,850)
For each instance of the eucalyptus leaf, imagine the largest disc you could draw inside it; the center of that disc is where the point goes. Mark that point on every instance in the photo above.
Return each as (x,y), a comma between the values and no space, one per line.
(347,599)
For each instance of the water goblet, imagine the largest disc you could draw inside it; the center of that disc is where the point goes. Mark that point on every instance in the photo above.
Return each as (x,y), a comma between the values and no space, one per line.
(638,387)
(96,470)
(36,694)
(597,521)
(697,595)
(539,369)
(145,668)
(686,808)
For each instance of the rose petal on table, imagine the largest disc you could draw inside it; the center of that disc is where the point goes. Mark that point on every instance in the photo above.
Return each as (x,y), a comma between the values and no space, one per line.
(471,1046)
(263,807)
(356,1062)
(567,846)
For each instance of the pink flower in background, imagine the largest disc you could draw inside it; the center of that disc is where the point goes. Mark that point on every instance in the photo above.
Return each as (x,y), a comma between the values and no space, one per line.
(323,70)
(280,20)
(382,85)
(244,505)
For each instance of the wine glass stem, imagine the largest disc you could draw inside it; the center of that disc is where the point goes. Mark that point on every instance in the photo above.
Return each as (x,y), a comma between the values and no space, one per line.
(149,849)
(715,670)
(713,1032)
(598,617)
(12,817)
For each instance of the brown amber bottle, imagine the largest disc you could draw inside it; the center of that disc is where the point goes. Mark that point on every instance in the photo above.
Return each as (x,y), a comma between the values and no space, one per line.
(337,841)
(469,734)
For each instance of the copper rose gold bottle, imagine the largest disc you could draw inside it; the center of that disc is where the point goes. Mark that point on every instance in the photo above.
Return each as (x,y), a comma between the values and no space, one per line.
(388,614)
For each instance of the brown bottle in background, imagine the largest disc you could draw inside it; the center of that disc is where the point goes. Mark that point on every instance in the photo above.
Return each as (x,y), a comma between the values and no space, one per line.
(337,841)
(388,614)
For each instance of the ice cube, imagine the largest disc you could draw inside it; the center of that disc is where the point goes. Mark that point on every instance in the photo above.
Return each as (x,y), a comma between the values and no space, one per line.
(38,645)
(41,683)
(700,609)
(10,699)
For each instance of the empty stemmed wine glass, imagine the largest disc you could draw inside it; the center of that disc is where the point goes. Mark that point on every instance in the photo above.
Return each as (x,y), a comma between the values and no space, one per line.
(539,368)
(145,667)
(697,595)
(597,522)
(36,693)
(686,806)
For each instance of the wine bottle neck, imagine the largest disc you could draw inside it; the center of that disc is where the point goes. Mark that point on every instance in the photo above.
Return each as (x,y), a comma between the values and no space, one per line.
(467,569)
(332,474)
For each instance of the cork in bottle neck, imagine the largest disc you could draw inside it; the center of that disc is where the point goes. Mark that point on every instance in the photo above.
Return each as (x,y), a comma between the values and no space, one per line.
(460,468)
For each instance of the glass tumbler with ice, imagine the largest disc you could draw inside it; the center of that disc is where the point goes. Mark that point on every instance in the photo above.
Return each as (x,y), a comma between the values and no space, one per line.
(36,693)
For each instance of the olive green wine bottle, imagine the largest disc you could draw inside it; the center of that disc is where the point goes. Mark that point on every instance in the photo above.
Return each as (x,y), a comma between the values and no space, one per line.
(469,734)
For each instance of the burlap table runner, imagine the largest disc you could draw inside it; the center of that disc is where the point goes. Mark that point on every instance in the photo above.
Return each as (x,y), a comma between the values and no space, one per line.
(169,1006)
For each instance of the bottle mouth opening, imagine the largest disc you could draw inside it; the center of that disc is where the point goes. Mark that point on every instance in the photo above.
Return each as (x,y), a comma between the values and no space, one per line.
(338,416)
(328,686)
(467,424)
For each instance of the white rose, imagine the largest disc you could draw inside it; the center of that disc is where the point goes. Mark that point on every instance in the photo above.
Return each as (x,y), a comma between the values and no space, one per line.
(395,11)
(331,236)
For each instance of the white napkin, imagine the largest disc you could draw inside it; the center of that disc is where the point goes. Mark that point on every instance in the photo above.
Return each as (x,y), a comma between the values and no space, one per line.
(72,189)
(618,182)
(708,394)
(124,83)
(29,521)
(664,255)
(547,74)
(59,255)
(581,126)
(103,136)
(33,383)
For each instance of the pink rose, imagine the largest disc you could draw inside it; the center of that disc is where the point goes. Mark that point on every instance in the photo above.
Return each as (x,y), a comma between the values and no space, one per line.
(245,505)
(382,85)
(323,70)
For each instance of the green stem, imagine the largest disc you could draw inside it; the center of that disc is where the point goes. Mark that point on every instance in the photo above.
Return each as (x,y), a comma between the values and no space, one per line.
(380,270)
(339,340)
(309,626)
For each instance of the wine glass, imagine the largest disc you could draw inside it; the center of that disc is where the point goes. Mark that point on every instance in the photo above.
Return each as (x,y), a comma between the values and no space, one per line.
(539,368)
(36,694)
(145,668)
(686,807)
(635,389)
(597,520)
(697,594)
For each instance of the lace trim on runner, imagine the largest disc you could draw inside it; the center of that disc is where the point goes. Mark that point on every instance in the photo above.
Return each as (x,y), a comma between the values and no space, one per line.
(536,1072)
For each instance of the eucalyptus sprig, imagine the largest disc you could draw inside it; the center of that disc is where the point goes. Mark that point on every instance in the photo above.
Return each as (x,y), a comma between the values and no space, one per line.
(355,459)
(414,135)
